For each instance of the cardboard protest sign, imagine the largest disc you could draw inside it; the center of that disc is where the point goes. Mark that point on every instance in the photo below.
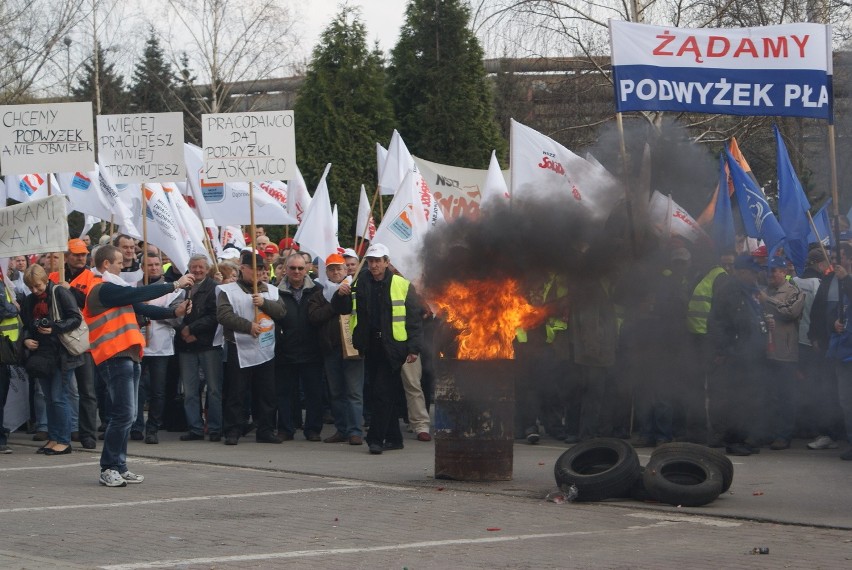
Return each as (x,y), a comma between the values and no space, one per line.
(142,147)
(57,137)
(248,147)
(39,226)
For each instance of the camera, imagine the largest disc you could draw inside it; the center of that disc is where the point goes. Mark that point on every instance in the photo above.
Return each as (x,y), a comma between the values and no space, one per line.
(44,323)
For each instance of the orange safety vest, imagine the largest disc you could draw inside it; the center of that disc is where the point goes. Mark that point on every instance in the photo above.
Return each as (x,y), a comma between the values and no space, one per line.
(113,331)
(83,282)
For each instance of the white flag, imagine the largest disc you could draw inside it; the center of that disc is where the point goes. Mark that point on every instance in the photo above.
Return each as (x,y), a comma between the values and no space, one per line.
(365,227)
(233,235)
(432,211)
(495,187)
(191,229)
(93,193)
(398,163)
(277,190)
(298,198)
(317,233)
(381,157)
(228,203)
(541,166)
(89,224)
(28,187)
(667,217)
(403,229)
(163,228)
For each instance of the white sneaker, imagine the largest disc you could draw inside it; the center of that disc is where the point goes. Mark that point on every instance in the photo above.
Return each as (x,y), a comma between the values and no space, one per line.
(131,477)
(4,449)
(823,442)
(111,478)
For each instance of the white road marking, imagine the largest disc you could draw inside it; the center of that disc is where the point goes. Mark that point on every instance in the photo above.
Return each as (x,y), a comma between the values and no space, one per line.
(340,551)
(685,518)
(191,499)
(39,467)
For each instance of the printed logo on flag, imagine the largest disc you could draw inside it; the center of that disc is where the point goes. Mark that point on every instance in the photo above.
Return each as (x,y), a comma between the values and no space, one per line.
(30,183)
(401,227)
(148,212)
(548,162)
(81,181)
(211,191)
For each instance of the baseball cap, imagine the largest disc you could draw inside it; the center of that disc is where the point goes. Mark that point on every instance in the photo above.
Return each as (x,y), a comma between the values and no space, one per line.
(76,245)
(680,254)
(377,250)
(349,252)
(270,250)
(777,261)
(288,243)
(245,258)
(745,261)
(760,252)
(335,259)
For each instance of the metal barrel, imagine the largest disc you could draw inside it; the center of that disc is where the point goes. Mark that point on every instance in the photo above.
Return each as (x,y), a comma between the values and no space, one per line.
(474,420)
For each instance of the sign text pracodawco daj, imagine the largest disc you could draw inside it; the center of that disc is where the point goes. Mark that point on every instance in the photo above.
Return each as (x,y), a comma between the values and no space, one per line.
(248,147)
(773,70)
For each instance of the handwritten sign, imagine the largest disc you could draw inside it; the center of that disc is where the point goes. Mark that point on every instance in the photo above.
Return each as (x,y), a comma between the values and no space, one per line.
(142,148)
(39,226)
(247,147)
(46,138)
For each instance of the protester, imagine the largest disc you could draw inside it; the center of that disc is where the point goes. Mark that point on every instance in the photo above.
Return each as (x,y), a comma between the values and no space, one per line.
(117,343)
(10,328)
(386,327)
(248,321)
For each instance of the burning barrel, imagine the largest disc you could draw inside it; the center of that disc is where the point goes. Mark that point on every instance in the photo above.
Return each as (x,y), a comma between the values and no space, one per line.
(474,420)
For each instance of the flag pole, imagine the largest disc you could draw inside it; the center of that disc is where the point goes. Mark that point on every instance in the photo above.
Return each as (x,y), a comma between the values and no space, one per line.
(367,226)
(625,179)
(819,238)
(253,241)
(832,153)
(61,268)
(144,235)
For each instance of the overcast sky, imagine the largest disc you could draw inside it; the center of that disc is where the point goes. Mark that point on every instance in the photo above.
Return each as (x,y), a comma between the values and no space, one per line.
(383,19)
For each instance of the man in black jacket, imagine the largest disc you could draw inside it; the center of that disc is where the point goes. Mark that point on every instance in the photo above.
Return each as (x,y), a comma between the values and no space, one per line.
(196,353)
(298,358)
(387,328)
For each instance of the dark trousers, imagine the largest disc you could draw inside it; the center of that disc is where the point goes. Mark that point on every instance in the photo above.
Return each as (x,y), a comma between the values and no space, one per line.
(291,375)
(155,369)
(385,389)
(88,418)
(4,392)
(590,395)
(261,378)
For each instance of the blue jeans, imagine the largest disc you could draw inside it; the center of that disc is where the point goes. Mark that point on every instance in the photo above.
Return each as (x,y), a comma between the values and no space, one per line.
(346,388)
(210,362)
(121,376)
(56,396)
(39,406)
(73,403)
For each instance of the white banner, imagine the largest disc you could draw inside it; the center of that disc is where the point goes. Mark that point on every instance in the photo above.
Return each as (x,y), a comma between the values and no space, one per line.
(40,226)
(142,147)
(248,147)
(666,216)
(55,137)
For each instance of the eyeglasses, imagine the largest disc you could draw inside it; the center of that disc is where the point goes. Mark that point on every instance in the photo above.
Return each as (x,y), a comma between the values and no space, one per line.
(293,268)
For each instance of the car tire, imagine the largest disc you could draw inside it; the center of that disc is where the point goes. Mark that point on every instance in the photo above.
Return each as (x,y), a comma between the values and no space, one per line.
(601,468)
(682,481)
(693,450)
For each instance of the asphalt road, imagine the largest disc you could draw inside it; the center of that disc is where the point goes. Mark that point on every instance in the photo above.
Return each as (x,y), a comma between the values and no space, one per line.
(301,504)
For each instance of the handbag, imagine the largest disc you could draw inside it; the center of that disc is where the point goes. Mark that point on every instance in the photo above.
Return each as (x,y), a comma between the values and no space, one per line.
(8,350)
(76,341)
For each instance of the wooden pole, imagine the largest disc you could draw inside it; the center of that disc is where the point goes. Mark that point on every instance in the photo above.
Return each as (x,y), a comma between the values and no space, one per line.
(832,154)
(819,238)
(144,235)
(61,269)
(627,186)
(254,241)
(367,226)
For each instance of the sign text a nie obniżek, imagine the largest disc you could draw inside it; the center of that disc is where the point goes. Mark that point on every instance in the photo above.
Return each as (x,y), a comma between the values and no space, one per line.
(248,147)
(783,70)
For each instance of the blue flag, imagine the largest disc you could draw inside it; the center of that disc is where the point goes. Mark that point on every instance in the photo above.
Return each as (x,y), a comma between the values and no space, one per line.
(822,222)
(793,207)
(722,229)
(758,219)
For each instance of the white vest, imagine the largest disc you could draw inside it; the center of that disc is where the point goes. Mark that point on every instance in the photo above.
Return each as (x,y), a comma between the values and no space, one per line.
(160,336)
(250,350)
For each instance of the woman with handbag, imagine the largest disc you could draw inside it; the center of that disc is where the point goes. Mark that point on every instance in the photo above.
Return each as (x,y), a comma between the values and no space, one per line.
(49,311)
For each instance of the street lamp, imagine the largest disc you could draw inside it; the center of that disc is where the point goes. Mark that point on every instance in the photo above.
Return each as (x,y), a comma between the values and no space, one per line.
(67,41)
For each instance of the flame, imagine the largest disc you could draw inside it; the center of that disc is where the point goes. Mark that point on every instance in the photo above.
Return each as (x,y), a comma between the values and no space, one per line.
(486,314)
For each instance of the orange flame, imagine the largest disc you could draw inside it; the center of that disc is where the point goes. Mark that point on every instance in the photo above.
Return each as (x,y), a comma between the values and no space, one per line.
(486,314)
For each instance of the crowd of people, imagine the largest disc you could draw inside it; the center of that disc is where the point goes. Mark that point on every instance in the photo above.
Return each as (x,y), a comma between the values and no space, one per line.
(255,341)
(736,352)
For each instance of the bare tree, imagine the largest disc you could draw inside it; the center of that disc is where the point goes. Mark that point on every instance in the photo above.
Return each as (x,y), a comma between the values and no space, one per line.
(32,38)
(228,42)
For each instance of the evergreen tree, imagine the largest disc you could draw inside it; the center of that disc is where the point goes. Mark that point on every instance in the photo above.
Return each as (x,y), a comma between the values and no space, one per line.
(152,88)
(439,88)
(187,100)
(341,112)
(114,98)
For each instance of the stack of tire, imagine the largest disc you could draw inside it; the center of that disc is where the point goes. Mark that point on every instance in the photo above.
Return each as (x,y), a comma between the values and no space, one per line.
(683,474)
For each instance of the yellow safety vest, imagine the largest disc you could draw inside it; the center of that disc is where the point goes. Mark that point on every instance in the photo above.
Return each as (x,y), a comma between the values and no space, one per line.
(700,303)
(10,326)
(398,292)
